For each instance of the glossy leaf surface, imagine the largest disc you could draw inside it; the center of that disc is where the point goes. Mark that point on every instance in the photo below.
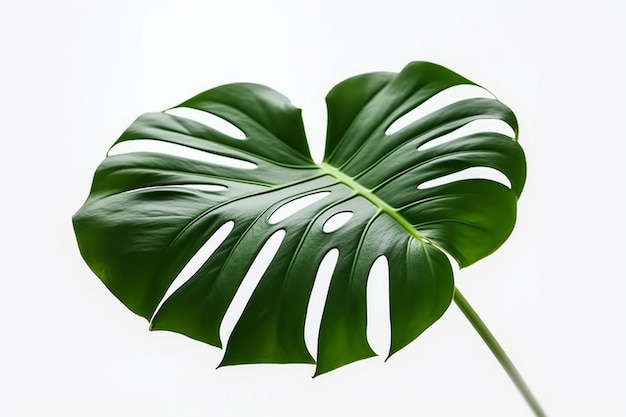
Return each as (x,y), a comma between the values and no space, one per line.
(149,212)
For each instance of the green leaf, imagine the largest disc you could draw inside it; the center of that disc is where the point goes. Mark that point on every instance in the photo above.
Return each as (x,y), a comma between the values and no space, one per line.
(148,213)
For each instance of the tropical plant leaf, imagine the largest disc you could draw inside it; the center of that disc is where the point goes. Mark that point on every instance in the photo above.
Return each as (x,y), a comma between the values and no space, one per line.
(149,212)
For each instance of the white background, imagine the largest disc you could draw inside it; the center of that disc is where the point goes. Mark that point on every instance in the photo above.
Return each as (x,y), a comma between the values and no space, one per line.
(75,74)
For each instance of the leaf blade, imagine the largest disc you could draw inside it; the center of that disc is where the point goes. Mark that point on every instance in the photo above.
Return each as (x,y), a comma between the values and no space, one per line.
(148,213)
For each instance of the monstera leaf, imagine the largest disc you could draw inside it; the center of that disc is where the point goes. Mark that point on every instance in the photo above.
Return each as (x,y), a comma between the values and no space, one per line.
(148,213)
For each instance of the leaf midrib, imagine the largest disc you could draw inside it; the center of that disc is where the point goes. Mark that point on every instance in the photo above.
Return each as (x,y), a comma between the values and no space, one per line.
(374,199)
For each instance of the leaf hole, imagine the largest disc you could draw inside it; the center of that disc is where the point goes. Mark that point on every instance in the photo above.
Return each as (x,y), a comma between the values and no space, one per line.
(438,101)
(486,173)
(173,149)
(292,207)
(475,126)
(317,300)
(378,316)
(197,260)
(208,119)
(249,283)
(337,221)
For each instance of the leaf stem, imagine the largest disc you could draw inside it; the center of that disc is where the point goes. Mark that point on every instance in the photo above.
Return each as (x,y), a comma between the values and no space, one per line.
(498,352)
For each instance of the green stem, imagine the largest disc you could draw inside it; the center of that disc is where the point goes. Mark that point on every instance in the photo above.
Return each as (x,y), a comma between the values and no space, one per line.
(498,352)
